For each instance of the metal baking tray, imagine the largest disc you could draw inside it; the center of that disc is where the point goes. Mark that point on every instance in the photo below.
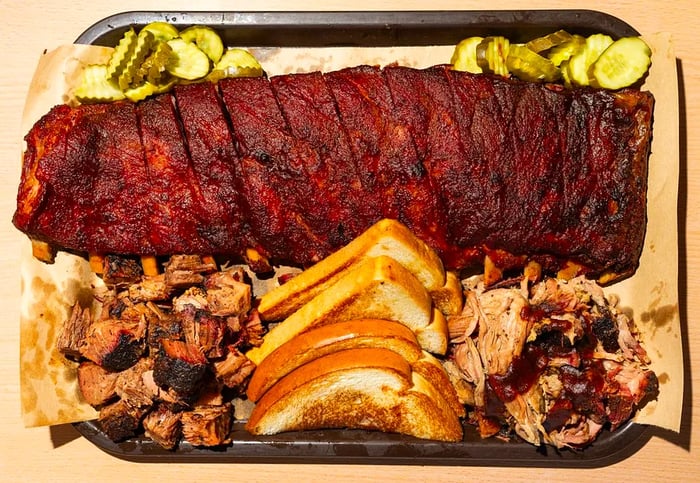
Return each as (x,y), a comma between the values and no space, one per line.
(371,29)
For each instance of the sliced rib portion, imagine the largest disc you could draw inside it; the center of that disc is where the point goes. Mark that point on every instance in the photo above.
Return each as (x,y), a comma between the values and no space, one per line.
(386,152)
(214,163)
(286,219)
(511,132)
(120,181)
(424,101)
(86,168)
(178,223)
(310,111)
(552,165)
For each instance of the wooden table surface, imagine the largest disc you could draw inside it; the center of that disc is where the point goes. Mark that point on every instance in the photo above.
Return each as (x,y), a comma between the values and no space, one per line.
(60,454)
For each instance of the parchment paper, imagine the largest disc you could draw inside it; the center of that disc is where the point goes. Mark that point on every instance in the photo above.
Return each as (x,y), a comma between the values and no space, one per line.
(48,383)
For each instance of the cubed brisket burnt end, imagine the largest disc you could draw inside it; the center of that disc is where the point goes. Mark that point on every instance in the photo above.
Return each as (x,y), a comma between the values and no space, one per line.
(115,344)
(166,327)
(253,330)
(228,294)
(73,332)
(163,426)
(234,369)
(151,289)
(180,366)
(186,270)
(207,425)
(203,331)
(177,341)
(211,393)
(119,270)
(97,385)
(131,384)
(120,420)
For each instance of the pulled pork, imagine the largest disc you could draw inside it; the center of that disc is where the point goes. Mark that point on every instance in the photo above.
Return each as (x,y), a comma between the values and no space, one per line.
(551,361)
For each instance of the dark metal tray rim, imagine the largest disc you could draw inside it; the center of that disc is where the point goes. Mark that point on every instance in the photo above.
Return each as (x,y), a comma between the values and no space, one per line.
(367,29)
(369,447)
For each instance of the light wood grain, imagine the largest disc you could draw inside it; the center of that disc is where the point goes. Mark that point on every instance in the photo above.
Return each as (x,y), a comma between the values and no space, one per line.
(59,454)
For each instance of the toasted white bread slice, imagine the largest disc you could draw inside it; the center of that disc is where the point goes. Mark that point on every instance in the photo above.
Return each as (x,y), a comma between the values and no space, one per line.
(326,339)
(434,337)
(352,371)
(386,237)
(366,388)
(449,298)
(432,370)
(428,396)
(379,288)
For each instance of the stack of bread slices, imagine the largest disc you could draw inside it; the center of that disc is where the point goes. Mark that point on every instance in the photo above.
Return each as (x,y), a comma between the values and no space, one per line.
(356,342)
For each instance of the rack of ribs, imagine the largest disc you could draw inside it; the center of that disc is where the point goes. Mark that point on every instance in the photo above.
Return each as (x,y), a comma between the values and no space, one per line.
(297,165)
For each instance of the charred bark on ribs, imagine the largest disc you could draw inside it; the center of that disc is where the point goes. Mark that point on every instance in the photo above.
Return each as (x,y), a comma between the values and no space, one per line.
(296,166)
(163,357)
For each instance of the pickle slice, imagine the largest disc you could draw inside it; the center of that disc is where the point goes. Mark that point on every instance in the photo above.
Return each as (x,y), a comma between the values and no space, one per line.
(141,92)
(121,54)
(491,54)
(96,86)
(622,64)
(206,39)
(235,63)
(162,31)
(188,61)
(530,66)
(564,51)
(153,67)
(144,44)
(541,44)
(579,65)
(166,85)
(464,56)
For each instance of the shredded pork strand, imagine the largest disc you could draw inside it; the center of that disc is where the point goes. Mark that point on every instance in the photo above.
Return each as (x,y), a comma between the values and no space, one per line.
(527,413)
(502,330)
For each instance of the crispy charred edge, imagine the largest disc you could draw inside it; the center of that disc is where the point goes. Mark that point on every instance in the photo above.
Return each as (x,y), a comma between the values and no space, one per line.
(188,367)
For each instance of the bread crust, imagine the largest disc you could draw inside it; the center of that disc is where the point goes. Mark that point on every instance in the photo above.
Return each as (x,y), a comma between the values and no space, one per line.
(449,298)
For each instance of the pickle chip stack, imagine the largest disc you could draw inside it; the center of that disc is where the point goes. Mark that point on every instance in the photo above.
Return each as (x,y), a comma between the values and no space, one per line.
(158,57)
(596,60)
